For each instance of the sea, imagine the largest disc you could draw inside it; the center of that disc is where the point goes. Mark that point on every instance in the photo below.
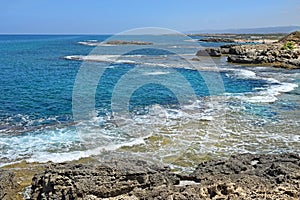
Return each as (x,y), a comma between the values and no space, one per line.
(66,97)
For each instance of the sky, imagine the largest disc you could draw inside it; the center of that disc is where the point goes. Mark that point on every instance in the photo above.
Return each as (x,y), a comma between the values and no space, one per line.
(114,16)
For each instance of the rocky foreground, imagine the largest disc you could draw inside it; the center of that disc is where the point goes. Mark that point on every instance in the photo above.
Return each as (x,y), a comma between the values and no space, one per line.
(239,177)
(284,53)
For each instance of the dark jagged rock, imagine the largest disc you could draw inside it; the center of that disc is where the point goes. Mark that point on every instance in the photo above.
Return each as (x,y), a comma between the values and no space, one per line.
(243,176)
(241,59)
(7,185)
(202,52)
(225,48)
(195,59)
(214,52)
(217,39)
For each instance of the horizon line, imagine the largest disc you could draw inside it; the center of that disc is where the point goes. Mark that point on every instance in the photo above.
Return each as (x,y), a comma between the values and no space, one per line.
(211,31)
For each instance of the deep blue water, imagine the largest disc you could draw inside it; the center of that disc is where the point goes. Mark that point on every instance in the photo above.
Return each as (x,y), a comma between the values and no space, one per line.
(37,82)
(36,85)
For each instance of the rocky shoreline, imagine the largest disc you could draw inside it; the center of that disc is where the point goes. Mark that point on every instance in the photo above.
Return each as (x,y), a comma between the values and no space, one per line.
(285,53)
(240,38)
(244,176)
(265,54)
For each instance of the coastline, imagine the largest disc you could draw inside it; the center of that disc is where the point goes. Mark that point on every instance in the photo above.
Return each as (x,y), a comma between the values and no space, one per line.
(241,176)
(283,53)
(24,172)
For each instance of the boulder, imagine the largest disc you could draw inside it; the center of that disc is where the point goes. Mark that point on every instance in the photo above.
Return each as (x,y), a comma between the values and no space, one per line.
(225,48)
(214,52)
(195,59)
(202,52)
(242,59)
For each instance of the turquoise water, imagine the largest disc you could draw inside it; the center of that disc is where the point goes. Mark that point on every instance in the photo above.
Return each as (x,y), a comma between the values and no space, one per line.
(37,84)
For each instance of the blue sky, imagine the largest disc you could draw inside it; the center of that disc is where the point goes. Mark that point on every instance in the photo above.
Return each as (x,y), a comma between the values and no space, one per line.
(113,16)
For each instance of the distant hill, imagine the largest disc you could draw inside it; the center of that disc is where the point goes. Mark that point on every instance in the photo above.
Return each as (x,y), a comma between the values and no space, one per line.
(263,30)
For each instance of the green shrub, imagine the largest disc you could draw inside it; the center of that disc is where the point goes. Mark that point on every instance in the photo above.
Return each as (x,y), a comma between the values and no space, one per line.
(288,46)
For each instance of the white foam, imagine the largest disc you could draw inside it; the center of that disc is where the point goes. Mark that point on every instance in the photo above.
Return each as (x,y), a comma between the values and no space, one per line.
(94,43)
(265,95)
(59,145)
(185,183)
(271,80)
(155,64)
(191,40)
(125,61)
(244,74)
(270,95)
(101,58)
(155,73)
(281,88)
(89,43)
(43,157)
(262,99)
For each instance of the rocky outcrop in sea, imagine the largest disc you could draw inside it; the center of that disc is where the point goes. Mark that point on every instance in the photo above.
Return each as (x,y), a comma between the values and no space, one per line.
(217,39)
(213,52)
(285,53)
(272,54)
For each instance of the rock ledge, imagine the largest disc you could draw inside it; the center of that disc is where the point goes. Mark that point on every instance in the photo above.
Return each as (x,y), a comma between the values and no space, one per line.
(243,176)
